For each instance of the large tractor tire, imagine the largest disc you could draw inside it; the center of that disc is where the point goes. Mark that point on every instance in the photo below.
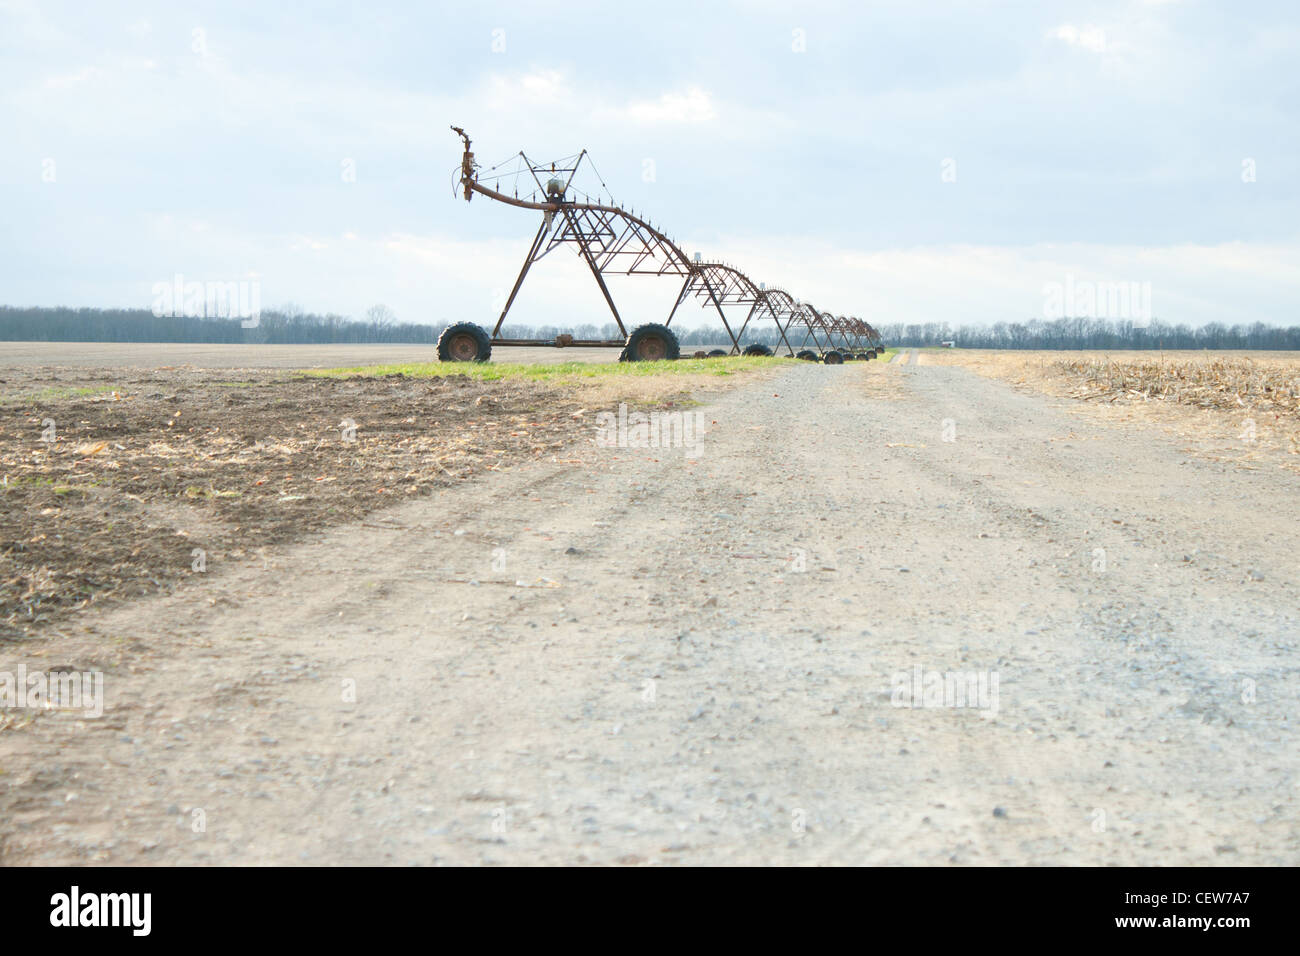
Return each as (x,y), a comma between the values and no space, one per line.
(807,355)
(651,343)
(718,353)
(464,342)
(833,358)
(756,348)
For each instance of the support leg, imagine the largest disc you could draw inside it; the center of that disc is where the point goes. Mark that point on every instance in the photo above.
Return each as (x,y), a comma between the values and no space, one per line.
(745,324)
(591,263)
(735,342)
(681,297)
(777,319)
(532,252)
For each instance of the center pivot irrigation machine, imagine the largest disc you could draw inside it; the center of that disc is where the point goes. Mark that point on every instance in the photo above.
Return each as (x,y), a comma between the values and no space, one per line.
(614,241)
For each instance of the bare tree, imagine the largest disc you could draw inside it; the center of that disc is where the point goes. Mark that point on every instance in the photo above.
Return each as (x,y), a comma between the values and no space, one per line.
(381,318)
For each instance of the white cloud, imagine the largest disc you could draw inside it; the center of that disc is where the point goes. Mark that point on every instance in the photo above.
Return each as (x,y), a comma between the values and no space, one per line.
(693,105)
(1086,37)
(539,88)
(65,81)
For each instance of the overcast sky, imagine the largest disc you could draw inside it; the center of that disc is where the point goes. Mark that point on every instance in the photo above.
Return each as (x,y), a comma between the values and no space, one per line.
(911,161)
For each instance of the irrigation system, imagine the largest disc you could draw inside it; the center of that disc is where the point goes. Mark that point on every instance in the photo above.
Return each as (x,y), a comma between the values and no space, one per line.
(613,241)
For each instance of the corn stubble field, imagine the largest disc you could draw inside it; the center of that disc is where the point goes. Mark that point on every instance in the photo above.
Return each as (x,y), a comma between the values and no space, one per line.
(1253,398)
(1269,386)
(1262,380)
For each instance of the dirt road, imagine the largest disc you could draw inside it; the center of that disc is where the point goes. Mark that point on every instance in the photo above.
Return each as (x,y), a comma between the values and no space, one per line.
(706,656)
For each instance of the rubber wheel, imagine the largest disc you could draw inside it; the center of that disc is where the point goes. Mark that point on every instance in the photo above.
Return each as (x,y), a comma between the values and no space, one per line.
(833,358)
(651,343)
(464,342)
(756,348)
(807,355)
(717,353)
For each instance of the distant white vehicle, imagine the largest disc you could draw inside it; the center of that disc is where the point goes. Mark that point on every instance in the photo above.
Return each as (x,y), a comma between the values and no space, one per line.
(949,345)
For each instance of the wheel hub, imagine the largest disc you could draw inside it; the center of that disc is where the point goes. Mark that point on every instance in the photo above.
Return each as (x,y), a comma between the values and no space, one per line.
(652,349)
(463,348)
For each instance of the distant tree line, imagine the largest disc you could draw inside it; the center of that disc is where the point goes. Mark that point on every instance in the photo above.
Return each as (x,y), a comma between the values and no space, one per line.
(285,326)
(290,325)
(1093,334)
